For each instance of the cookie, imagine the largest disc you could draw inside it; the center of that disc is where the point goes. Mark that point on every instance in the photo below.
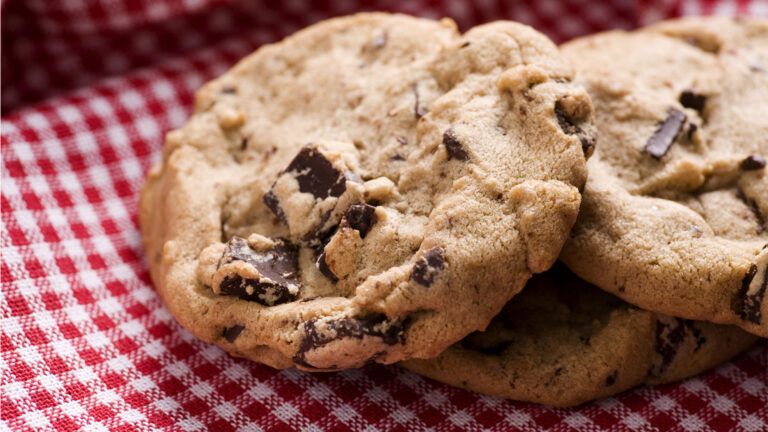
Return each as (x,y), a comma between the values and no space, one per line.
(564,342)
(674,213)
(371,189)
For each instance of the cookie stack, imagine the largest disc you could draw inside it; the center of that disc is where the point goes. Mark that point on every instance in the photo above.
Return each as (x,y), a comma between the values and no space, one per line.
(382,188)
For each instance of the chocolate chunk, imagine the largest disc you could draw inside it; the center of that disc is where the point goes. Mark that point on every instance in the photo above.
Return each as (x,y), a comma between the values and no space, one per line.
(611,379)
(231,333)
(700,339)
(692,128)
(418,110)
(692,100)
(361,217)
(376,325)
(426,269)
(748,304)
(243,143)
(752,204)
(322,265)
(316,175)
(662,139)
(271,201)
(752,162)
(453,146)
(570,127)
(670,334)
(277,270)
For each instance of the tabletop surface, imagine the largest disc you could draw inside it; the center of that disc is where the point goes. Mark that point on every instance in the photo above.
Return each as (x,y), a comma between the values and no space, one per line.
(90,88)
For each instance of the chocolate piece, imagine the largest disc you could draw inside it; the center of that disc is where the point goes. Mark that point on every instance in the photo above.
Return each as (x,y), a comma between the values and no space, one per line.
(427,268)
(692,128)
(418,110)
(377,325)
(231,333)
(700,339)
(570,127)
(752,204)
(277,270)
(361,217)
(453,146)
(748,305)
(243,143)
(695,101)
(316,175)
(611,379)
(666,133)
(322,265)
(271,201)
(752,162)
(670,333)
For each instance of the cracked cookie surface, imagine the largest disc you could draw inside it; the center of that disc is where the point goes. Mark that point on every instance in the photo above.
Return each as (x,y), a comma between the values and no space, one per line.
(564,342)
(372,188)
(674,213)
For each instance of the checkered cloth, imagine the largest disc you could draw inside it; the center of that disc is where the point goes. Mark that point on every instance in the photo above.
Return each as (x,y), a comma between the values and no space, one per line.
(89,89)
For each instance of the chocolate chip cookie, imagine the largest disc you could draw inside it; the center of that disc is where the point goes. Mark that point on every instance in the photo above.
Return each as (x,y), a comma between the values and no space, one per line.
(674,213)
(564,342)
(371,189)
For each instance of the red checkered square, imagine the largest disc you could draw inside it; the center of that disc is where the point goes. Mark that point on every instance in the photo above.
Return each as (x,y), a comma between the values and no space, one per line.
(86,343)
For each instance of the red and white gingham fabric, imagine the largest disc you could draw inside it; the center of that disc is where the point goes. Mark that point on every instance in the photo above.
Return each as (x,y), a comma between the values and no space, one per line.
(89,89)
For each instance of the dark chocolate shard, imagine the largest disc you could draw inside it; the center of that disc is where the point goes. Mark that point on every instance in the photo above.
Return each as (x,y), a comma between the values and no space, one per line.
(670,334)
(752,205)
(692,128)
(418,110)
(749,301)
(322,265)
(700,338)
(277,269)
(316,175)
(693,100)
(272,203)
(752,162)
(570,127)
(231,333)
(453,146)
(361,217)
(376,325)
(428,267)
(611,379)
(665,135)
